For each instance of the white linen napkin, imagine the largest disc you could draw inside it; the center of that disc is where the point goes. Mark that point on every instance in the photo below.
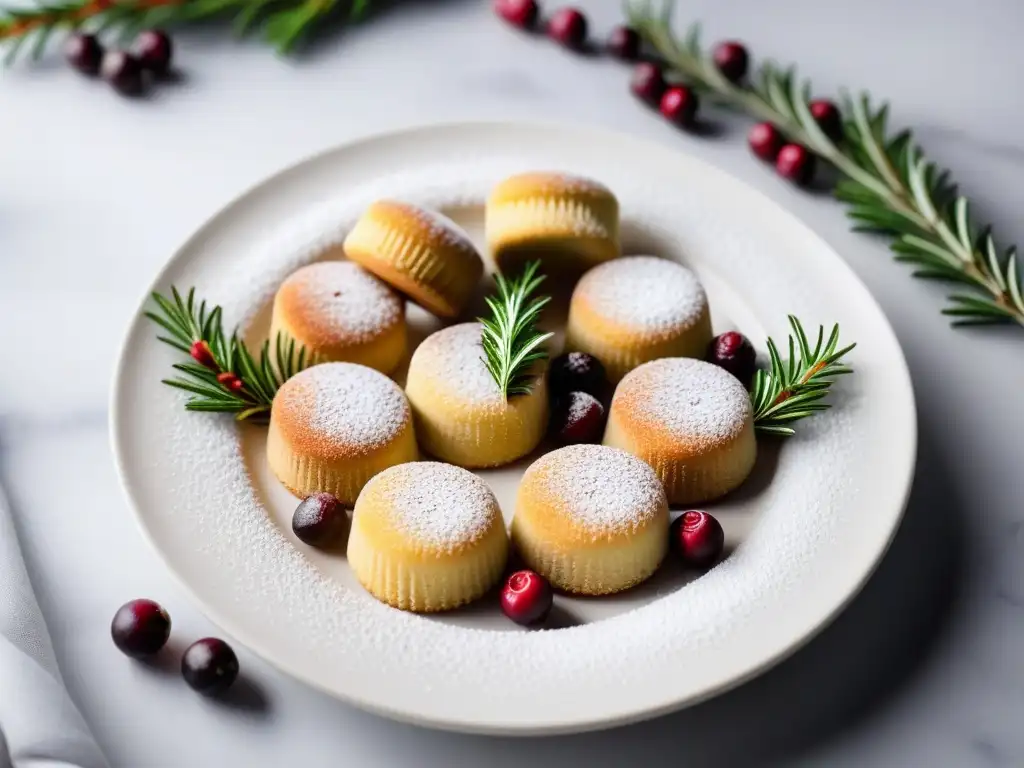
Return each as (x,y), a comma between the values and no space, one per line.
(40,727)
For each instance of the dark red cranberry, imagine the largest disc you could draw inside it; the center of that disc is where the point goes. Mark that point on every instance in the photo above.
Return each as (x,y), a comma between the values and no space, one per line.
(209,666)
(140,628)
(201,353)
(526,598)
(734,352)
(123,71)
(577,372)
(624,43)
(319,520)
(648,83)
(679,104)
(84,53)
(731,59)
(826,115)
(765,141)
(154,49)
(697,538)
(519,13)
(569,27)
(577,418)
(795,163)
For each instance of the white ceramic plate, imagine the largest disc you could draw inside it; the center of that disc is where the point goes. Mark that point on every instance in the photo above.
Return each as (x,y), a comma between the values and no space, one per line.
(806,530)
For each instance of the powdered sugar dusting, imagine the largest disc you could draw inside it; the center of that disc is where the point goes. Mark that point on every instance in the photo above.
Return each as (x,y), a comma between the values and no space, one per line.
(343,301)
(218,523)
(600,488)
(349,403)
(455,356)
(644,293)
(690,398)
(438,505)
(441,227)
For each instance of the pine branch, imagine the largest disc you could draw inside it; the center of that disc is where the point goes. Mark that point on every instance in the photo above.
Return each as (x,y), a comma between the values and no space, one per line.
(793,388)
(890,186)
(283,22)
(512,344)
(222,376)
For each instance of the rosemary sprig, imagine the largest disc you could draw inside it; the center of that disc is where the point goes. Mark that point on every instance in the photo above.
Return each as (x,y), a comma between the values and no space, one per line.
(511,341)
(283,22)
(223,376)
(890,187)
(793,389)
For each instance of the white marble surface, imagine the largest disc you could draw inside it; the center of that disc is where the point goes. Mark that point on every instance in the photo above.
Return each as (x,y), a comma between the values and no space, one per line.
(95,192)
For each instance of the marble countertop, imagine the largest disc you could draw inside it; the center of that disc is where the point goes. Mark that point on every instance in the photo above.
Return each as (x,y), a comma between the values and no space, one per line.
(924,668)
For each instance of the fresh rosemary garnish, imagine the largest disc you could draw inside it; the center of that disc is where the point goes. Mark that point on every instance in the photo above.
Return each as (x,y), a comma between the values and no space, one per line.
(283,23)
(224,376)
(890,187)
(511,341)
(792,389)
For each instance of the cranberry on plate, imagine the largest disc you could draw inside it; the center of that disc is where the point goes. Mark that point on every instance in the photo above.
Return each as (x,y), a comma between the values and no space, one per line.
(526,598)
(697,538)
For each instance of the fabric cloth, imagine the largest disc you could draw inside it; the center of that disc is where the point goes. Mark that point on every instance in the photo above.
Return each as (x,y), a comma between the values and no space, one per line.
(40,727)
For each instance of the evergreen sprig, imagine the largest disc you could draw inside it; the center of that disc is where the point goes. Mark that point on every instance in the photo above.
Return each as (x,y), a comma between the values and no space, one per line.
(793,388)
(223,375)
(283,23)
(890,187)
(511,341)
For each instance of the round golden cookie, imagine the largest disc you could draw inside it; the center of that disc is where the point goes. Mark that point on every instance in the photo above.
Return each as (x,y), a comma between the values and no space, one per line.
(690,420)
(423,254)
(590,519)
(336,425)
(568,222)
(461,415)
(636,309)
(340,312)
(427,537)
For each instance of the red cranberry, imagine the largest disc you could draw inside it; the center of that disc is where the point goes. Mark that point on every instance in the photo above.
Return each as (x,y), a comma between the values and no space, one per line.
(201,353)
(734,352)
(140,628)
(519,13)
(698,538)
(795,163)
(826,115)
(731,59)
(648,83)
(84,53)
(318,520)
(679,104)
(569,27)
(624,43)
(576,372)
(230,381)
(123,71)
(209,666)
(526,598)
(577,418)
(765,141)
(153,48)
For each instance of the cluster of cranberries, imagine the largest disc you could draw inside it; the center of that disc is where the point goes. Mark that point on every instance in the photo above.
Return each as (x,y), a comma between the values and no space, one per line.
(677,102)
(126,71)
(578,388)
(141,628)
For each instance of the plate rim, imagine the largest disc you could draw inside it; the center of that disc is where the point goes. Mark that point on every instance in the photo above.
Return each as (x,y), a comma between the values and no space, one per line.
(566,725)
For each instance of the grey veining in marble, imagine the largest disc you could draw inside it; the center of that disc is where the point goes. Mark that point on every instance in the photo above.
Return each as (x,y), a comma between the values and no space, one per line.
(924,668)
